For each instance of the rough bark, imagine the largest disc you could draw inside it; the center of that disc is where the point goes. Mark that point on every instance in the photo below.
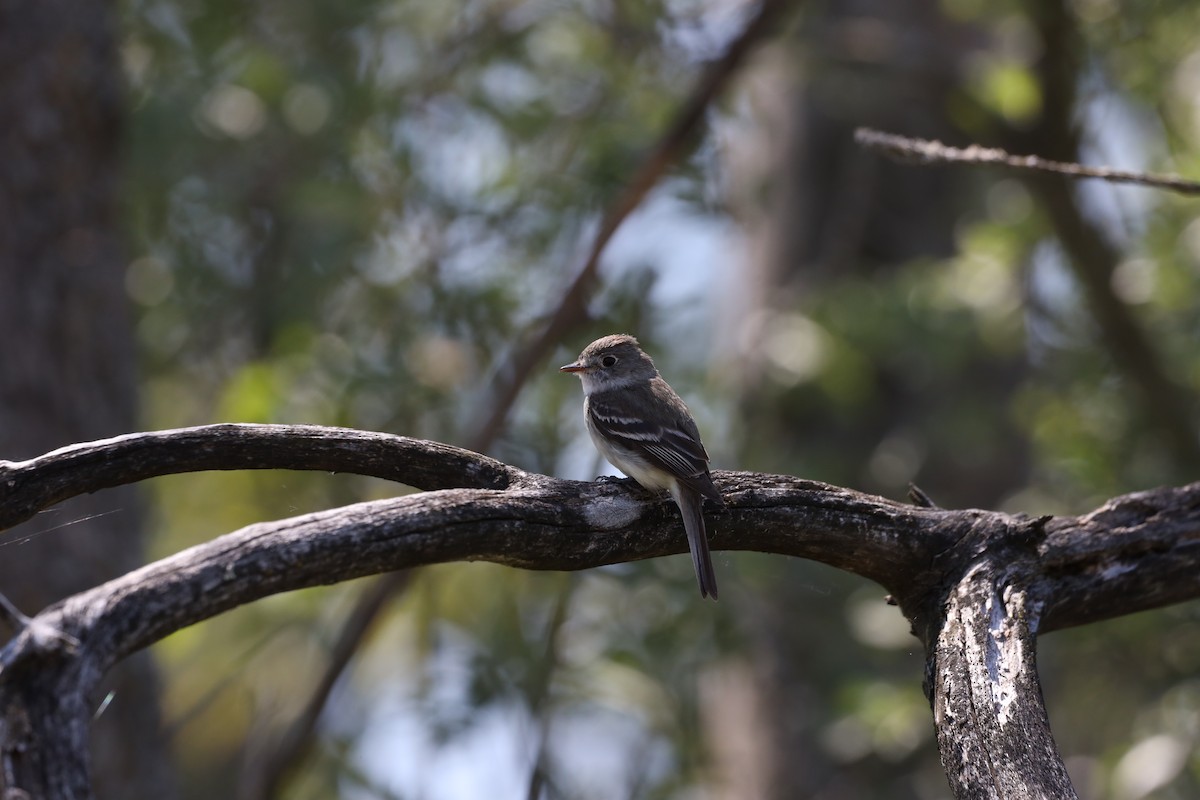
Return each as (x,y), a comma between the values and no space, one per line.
(991,723)
(978,586)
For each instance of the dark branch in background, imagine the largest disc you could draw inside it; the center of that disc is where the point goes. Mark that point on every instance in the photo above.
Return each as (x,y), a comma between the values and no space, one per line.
(1091,253)
(674,144)
(539,693)
(1092,259)
(266,772)
(931,151)
(1169,406)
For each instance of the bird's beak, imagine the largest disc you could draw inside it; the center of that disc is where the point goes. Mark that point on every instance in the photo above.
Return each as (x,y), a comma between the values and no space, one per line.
(575,366)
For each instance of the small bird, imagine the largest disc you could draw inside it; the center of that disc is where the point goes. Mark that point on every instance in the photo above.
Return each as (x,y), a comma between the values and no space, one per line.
(642,428)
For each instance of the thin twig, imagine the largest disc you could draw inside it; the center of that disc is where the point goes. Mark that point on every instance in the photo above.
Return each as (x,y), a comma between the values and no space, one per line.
(1092,259)
(927,151)
(919,497)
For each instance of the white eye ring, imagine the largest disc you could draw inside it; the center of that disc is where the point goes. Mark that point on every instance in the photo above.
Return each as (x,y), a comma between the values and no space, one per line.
(608,361)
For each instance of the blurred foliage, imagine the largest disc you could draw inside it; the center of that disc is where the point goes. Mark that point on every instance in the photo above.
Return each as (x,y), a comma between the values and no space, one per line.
(350,213)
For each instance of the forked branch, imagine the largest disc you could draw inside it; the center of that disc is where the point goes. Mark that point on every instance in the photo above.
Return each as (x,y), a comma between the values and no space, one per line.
(978,586)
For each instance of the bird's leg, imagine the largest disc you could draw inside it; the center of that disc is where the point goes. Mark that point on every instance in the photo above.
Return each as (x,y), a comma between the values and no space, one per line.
(628,482)
(614,479)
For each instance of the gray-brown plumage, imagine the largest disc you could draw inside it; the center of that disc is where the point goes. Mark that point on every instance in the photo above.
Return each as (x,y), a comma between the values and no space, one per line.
(640,425)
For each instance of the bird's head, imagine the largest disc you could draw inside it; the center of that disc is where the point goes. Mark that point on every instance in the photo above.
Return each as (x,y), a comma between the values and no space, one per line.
(611,362)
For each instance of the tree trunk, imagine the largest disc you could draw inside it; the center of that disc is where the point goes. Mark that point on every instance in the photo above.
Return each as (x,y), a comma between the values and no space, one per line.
(838,217)
(68,370)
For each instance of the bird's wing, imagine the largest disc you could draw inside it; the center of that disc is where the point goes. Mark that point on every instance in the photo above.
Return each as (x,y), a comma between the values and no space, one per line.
(673,445)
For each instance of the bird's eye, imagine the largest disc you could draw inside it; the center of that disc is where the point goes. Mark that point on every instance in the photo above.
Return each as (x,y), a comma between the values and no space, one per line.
(608,361)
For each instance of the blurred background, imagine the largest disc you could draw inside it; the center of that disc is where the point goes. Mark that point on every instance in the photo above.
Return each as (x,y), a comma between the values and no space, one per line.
(358,212)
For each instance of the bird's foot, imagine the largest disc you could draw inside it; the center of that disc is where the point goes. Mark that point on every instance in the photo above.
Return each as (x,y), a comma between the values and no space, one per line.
(617,480)
(628,483)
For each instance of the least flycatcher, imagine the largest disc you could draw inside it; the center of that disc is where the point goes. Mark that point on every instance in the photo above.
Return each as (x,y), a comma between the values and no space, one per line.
(641,426)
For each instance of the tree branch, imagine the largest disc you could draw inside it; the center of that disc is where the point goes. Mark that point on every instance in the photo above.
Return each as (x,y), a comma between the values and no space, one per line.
(991,721)
(976,585)
(931,151)
(27,487)
(1092,259)
(1092,254)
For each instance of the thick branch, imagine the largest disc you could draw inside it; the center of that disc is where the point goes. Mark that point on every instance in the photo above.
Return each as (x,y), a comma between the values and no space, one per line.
(1085,566)
(27,487)
(1136,552)
(991,721)
(543,524)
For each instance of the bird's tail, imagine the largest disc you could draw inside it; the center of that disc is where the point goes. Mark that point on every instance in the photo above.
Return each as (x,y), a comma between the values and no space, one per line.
(691,506)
